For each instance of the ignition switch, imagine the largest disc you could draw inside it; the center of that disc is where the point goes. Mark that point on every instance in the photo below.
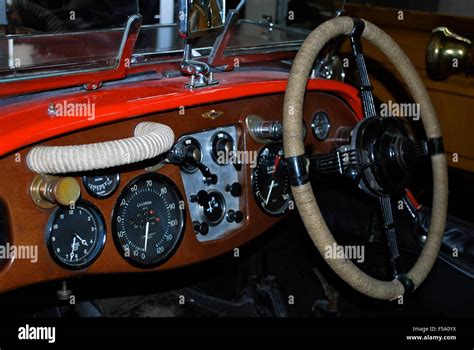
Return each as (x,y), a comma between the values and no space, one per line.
(188,155)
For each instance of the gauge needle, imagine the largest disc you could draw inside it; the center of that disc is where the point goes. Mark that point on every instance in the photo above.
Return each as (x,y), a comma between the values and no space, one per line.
(270,191)
(277,161)
(73,245)
(146,233)
(83,241)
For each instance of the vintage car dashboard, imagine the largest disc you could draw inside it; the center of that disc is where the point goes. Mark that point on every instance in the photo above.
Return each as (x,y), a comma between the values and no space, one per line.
(158,215)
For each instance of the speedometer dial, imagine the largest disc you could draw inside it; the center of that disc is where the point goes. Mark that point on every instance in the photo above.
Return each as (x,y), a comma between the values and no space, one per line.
(148,220)
(270,183)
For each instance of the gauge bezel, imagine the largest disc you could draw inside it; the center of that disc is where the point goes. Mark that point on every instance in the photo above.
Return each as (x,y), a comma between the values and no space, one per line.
(102,229)
(252,179)
(328,123)
(187,168)
(106,195)
(224,208)
(214,139)
(182,227)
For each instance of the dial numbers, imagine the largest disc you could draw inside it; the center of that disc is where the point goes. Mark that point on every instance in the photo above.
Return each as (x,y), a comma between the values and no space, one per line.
(75,237)
(148,220)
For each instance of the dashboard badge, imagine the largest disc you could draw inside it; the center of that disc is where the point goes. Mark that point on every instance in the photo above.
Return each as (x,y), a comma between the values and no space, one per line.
(212,114)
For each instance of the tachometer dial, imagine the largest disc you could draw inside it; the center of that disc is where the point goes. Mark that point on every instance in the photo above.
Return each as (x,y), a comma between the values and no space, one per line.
(148,220)
(101,186)
(270,183)
(75,236)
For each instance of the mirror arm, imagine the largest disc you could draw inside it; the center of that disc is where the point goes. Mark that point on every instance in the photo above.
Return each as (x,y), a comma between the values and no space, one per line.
(216,57)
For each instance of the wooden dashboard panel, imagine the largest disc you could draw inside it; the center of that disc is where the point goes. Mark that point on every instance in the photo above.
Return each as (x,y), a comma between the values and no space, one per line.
(27,222)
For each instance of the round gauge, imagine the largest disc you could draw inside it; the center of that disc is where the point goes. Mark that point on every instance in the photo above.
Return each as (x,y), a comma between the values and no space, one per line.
(101,186)
(270,182)
(320,126)
(75,236)
(193,148)
(222,147)
(213,207)
(148,220)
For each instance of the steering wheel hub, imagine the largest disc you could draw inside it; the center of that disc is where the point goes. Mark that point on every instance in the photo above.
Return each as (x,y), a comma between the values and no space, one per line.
(387,155)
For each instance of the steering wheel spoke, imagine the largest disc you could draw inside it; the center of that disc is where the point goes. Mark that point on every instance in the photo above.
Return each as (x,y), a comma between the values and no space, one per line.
(391,235)
(365,86)
(339,162)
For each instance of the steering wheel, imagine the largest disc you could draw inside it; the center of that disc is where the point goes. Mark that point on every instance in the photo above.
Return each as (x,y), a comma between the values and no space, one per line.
(380,158)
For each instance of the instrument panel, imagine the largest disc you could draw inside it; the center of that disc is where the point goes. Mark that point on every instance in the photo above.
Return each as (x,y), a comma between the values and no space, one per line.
(215,197)
(156,215)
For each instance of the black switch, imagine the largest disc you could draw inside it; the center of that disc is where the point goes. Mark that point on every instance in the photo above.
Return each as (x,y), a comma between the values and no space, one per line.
(235,189)
(201,228)
(235,216)
(239,216)
(211,180)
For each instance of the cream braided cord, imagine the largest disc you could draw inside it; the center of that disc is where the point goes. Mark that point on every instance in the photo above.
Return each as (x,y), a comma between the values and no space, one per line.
(149,141)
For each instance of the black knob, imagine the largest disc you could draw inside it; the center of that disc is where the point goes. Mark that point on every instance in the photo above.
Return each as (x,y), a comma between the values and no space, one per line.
(239,216)
(235,189)
(211,180)
(177,154)
(237,166)
(235,216)
(201,198)
(201,228)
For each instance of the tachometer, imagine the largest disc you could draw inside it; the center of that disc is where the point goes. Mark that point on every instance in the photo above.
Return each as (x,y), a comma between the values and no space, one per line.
(75,236)
(148,220)
(270,183)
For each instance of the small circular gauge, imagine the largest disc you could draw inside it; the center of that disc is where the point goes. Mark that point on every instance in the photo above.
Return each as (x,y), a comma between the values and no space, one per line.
(213,206)
(222,147)
(75,236)
(101,186)
(270,182)
(148,220)
(320,125)
(193,149)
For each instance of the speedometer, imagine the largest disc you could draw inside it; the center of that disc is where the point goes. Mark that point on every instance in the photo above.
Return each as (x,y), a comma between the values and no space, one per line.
(148,220)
